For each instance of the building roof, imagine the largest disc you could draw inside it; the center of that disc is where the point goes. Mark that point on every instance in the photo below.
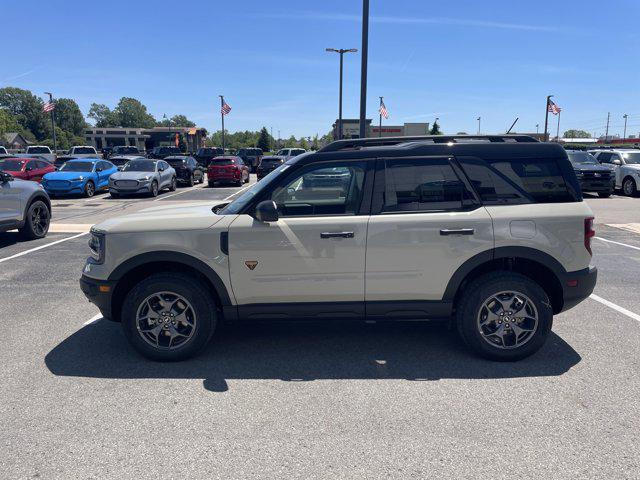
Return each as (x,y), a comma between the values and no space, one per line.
(11,137)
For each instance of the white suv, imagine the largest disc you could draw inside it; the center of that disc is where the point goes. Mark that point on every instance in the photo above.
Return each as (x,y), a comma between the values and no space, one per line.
(488,233)
(626,165)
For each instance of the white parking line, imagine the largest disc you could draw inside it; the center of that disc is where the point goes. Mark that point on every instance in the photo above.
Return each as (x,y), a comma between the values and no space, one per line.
(617,243)
(179,193)
(93,319)
(41,247)
(618,308)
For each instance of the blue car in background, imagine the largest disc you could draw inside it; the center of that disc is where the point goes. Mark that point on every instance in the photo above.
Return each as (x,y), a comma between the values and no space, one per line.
(84,176)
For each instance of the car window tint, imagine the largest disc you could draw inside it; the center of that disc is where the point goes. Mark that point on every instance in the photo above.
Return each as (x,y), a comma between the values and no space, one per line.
(419,185)
(334,189)
(604,157)
(493,188)
(32,165)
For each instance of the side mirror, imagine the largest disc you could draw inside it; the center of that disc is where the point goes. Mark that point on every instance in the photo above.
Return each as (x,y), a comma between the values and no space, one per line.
(267,211)
(98,169)
(5,177)
(161,169)
(617,162)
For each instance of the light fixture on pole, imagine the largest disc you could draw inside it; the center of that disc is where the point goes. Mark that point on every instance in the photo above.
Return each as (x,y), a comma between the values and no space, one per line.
(479,119)
(341,51)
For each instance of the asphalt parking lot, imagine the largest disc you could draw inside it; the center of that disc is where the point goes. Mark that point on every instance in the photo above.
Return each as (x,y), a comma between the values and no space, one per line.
(313,400)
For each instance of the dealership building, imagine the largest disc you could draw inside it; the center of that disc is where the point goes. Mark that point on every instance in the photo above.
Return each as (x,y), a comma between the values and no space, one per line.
(351,129)
(145,138)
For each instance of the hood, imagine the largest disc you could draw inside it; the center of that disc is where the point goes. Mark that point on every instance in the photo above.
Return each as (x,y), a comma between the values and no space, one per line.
(132,175)
(193,216)
(66,175)
(591,168)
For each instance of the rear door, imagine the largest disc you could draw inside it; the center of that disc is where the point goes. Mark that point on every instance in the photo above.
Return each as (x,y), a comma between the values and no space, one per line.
(314,253)
(10,203)
(425,223)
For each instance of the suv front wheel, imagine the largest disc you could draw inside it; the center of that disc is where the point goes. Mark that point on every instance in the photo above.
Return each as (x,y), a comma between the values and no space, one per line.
(504,316)
(169,317)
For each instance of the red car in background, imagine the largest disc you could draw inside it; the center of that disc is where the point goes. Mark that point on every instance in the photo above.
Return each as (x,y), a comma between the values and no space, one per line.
(228,169)
(26,168)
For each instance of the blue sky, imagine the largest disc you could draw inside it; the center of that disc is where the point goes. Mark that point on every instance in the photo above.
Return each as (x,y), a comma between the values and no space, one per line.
(456,60)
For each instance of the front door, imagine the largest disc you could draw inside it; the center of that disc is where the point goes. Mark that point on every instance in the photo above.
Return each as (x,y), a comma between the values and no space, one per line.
(424,225)
(310,263)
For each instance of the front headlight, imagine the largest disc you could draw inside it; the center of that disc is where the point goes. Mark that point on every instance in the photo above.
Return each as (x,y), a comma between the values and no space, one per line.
(79,179)
(97,246)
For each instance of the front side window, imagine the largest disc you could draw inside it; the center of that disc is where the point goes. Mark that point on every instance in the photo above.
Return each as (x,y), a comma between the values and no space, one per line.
(423,185)
(604,157)
(631,158)
(320,190)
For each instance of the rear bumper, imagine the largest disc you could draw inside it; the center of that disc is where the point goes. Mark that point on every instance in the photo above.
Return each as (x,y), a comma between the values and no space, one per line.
(577,286)
(101,299)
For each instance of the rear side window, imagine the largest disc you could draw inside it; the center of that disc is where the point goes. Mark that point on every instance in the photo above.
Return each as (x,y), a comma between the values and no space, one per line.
(516,181)
(423,185)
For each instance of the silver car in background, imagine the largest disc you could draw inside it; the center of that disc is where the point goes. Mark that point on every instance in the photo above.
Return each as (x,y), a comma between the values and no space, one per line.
(143,175)
(24,205)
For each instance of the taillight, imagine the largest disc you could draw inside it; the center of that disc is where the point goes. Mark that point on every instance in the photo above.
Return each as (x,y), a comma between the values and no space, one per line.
(589,233)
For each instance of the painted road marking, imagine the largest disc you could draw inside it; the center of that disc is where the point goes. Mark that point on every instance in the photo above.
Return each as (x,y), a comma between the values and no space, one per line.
(41,247)
(199,187)
(618,308)
(94,319)
(629,227)
(617,243)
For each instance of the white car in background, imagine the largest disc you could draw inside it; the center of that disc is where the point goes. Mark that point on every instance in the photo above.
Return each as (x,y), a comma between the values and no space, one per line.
(288,153)
(82,151)
(626,165)
(41,151)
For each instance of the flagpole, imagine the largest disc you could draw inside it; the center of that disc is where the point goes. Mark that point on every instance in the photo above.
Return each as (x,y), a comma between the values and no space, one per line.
(546,120)
(53,122)
(380,124)
(222,116)
(558,130)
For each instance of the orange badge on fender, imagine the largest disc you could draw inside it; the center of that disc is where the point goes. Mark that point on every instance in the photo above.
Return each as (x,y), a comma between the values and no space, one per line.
(251,264)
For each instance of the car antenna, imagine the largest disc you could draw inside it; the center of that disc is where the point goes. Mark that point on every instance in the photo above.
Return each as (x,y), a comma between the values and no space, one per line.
(514,122)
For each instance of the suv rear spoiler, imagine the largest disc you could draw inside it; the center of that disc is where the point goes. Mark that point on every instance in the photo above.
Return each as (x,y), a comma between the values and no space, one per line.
(355,144)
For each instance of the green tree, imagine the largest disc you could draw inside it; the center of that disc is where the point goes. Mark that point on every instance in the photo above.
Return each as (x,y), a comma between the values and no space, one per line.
(435,130)
(304,143)
(8,123)
(176,121)
(291,142)
(132,113)
(26,108)
(315,145)
(264,141)
(69,117)
(576,134)
(102,115)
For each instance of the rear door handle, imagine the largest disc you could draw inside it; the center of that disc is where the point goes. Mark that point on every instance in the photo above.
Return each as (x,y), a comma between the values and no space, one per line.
(337,235)
(457,231)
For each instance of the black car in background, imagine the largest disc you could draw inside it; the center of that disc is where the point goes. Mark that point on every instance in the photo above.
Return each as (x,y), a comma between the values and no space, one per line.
(106,152)
(251,157)
(204,155)
(125,150)
(593,176)
(163,152)
(120,160)
(268,165)
(188,171)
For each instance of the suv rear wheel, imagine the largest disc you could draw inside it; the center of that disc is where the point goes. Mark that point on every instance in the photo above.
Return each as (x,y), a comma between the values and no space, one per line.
(36,221)
(504,316)
(169,317)
(629,187)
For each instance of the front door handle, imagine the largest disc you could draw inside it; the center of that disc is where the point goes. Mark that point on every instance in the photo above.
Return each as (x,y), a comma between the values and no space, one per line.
(457,231)
(337,235)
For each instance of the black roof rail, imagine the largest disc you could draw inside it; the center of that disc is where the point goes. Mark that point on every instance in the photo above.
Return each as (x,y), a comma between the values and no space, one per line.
(357,143)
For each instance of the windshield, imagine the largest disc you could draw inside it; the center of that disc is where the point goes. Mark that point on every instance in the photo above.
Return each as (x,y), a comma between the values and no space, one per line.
(240,202)
(38,150)
(631,157)
(140,166)
(77,167)
(11,165)
(583,158)
(83,150)
(222,161)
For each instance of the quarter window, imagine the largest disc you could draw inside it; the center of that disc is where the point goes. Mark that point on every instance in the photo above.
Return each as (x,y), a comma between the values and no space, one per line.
(321,190)
(423,185)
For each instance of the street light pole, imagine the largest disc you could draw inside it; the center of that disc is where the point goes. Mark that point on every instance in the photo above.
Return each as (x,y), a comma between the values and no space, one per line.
(479,120)
(537,129)
(624,136)
(341,51)
(546,119)
(606,135)
(363,68)
(53,122)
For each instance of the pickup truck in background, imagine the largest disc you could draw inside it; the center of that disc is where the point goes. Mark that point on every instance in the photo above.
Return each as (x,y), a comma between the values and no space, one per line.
(82,151)
(41,151)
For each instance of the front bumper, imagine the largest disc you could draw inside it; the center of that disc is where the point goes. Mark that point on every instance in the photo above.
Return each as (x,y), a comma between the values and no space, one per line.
(130,191)
(98,292)
(577,286)
(597,186)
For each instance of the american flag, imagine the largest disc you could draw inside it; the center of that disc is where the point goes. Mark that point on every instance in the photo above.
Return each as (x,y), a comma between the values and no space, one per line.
(553,108)
(48,107)
(383,110)
(225,109)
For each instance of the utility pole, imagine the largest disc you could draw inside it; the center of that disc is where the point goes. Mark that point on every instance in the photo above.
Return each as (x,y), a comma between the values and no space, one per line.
(363,68)
(546,119)
(624,136)
(479,119)
(606,133)
(341,51)
(537,128)
(53,122)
